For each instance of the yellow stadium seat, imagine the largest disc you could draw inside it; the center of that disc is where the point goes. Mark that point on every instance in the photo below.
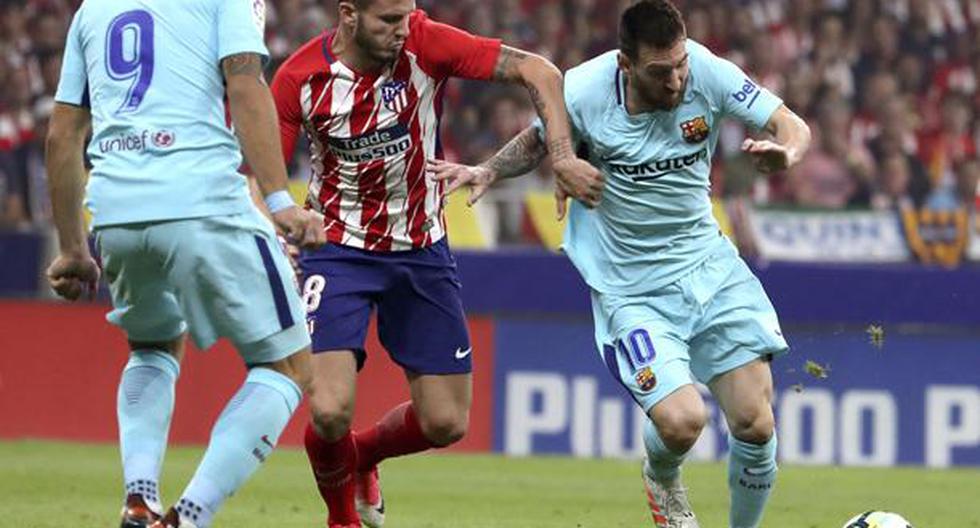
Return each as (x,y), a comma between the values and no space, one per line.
(541,208)
(297,189)
(462,225)
(725,223)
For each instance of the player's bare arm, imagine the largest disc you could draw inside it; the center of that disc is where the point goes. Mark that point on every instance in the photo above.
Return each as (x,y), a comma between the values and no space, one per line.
(74,269)
(519,156)
(544,84)
(254,114)
(791,141)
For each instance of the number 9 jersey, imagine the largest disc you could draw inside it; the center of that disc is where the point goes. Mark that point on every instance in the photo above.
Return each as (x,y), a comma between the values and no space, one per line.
(150,71)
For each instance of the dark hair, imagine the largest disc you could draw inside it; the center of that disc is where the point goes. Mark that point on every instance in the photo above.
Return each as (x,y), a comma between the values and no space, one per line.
(360,4)
(656,23)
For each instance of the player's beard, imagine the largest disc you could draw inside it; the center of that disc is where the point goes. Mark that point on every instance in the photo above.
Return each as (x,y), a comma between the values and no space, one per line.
(375,51)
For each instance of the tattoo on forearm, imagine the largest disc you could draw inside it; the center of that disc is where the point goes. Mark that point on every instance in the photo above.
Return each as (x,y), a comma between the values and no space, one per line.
(519,156)
(560,148)
(538,102)
(242,64)
(507,63)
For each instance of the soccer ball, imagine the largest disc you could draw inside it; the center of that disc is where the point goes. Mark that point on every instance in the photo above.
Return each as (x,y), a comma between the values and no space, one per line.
(877,519)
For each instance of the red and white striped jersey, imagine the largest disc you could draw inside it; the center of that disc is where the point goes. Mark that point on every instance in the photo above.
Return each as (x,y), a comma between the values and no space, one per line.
(370,134)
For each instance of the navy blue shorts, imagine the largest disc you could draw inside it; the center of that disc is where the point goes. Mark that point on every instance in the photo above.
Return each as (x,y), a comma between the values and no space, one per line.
(416,293)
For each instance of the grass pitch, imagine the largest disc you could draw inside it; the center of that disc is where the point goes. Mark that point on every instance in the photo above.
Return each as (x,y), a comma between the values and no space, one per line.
(44,484)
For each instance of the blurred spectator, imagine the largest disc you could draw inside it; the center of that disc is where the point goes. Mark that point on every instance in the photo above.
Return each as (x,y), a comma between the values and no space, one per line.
(908,68)
(947,145)
(836,172)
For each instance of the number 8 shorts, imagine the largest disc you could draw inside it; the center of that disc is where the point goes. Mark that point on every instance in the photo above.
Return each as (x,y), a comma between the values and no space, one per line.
(416,293)
(712,320)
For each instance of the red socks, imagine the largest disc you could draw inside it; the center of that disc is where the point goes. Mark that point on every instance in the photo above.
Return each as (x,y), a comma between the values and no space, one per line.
(333,466)
(397,433)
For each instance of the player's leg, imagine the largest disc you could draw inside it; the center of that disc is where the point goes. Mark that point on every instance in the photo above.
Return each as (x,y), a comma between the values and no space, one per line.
(144,407)
(675,425)
(422,325)
(328,439)
(436,416)
(146,309)
(338,290)
(745,396)
(642,340)
(257,306)
(248,428)
(739,332)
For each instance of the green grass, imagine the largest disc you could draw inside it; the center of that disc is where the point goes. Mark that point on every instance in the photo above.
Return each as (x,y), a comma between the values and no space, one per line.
(44,484)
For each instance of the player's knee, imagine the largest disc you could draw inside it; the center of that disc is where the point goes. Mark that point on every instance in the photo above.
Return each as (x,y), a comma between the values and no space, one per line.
(679,427)
(331,415)
(296,367)
(445,428)
(755,426)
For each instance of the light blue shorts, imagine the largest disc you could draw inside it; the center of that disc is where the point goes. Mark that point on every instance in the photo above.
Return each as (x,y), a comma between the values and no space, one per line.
(215,276)
(713,320)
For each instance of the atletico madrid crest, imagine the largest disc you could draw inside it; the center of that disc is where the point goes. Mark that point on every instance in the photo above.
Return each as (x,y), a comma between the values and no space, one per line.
(695,130)
(394,95)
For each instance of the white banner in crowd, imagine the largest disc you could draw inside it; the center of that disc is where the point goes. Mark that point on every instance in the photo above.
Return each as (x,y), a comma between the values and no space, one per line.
(973,247)
(846,236)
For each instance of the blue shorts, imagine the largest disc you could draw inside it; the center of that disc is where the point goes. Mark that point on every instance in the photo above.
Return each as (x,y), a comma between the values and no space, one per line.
(416,293)
(214,276)
(712,320)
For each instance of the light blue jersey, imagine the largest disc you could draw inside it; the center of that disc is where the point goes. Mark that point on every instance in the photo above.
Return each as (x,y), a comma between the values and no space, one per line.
(150,72)
(655,222)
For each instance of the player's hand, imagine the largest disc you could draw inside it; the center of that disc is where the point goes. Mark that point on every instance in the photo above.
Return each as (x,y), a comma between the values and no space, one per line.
(292,253)
(70,275)
(561,200)
(580,180)
(768,156)
(477,178)
(301,227)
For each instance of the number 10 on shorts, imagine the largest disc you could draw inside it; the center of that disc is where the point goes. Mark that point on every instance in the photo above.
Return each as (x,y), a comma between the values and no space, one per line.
(638,349)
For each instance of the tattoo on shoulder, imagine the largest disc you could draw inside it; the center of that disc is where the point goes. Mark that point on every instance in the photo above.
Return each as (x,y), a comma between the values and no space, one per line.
(242,64)
(506,68)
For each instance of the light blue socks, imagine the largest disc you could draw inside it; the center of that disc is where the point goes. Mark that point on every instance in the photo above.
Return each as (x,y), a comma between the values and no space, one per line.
(144,405)
(751,477)
(664,464)
(242,438)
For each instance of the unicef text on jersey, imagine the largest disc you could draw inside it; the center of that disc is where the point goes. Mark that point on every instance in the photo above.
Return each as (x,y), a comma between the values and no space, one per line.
(138,142)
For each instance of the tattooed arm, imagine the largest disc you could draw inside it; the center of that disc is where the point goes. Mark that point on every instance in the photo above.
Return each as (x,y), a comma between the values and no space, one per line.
(519,156)
(544,84)
(254,114)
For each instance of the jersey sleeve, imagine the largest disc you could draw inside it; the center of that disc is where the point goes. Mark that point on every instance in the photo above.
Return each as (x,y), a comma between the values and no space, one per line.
(241,27)
(446,51)
(736,94)
(285,93)
(73,85)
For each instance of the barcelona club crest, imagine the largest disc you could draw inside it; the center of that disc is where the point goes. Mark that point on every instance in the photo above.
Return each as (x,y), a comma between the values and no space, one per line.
(695,130)
(394,95)
(646,379)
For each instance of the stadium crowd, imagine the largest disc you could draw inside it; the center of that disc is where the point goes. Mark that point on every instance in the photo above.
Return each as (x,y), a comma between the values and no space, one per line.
(890,89)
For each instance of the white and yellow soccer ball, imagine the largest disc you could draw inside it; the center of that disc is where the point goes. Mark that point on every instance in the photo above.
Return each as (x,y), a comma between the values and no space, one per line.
(877,519)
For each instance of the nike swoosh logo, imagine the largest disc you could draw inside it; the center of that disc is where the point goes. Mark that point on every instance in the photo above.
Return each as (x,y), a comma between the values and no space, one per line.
(461,354)
(755,472)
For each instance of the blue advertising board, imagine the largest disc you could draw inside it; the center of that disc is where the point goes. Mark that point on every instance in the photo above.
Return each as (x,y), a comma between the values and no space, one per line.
(914,400)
